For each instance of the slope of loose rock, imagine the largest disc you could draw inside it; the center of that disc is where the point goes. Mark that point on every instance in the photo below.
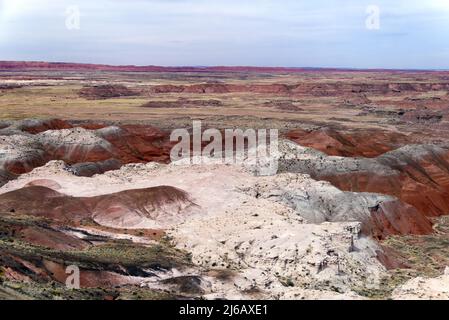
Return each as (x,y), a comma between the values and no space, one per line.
(424,288)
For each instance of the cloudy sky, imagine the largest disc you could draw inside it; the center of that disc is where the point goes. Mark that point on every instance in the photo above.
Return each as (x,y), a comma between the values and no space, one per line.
(292,33)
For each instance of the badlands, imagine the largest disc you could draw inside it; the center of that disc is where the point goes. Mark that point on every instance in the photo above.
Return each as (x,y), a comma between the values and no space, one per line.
(357,209)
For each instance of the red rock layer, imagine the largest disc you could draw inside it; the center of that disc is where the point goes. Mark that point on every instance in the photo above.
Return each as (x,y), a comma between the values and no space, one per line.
(423,185)
(44,202)
(42,65)
(138,143)
(366,143)
(129,144)
(421,178)
(304,88)
(396,218)
(77,153)
(425,116)
(52,124)
(390,259)
(25,164)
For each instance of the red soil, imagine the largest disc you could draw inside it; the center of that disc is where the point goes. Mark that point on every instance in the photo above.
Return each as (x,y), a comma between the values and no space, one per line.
(138,143)
(44,202)
(130,144)
(396,218)
(366,143)
(53,239)
(73,154)
(88,278)
(390,259)
(424,185)
(26,164)
(52,124)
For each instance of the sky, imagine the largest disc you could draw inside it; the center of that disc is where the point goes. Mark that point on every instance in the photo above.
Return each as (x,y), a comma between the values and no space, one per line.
(396,34)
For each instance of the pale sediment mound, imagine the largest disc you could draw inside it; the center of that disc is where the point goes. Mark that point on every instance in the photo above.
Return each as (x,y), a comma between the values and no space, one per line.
(269,245)
(70,136)
(18,153)
(32,126)
(316,201)
(424,289)
(75,145)
(319,202)
(44,183)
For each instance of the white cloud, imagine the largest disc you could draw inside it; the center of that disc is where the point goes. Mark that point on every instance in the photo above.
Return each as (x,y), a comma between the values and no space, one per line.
(276,32)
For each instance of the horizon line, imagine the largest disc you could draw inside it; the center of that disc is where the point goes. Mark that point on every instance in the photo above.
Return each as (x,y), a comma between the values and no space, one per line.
(40,64)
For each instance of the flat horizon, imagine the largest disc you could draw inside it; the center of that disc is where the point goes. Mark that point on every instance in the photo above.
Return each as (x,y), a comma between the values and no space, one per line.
(219,66)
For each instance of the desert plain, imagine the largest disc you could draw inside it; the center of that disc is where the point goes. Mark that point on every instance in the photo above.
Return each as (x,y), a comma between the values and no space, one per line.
(358,208)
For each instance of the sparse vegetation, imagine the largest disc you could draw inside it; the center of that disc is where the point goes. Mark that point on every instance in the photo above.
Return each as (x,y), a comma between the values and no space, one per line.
(426,256)
(342,110)
(56,291)
(114,255)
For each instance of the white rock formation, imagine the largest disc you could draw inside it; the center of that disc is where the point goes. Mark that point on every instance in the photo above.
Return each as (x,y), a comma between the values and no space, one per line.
(245,225)
(424,288)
